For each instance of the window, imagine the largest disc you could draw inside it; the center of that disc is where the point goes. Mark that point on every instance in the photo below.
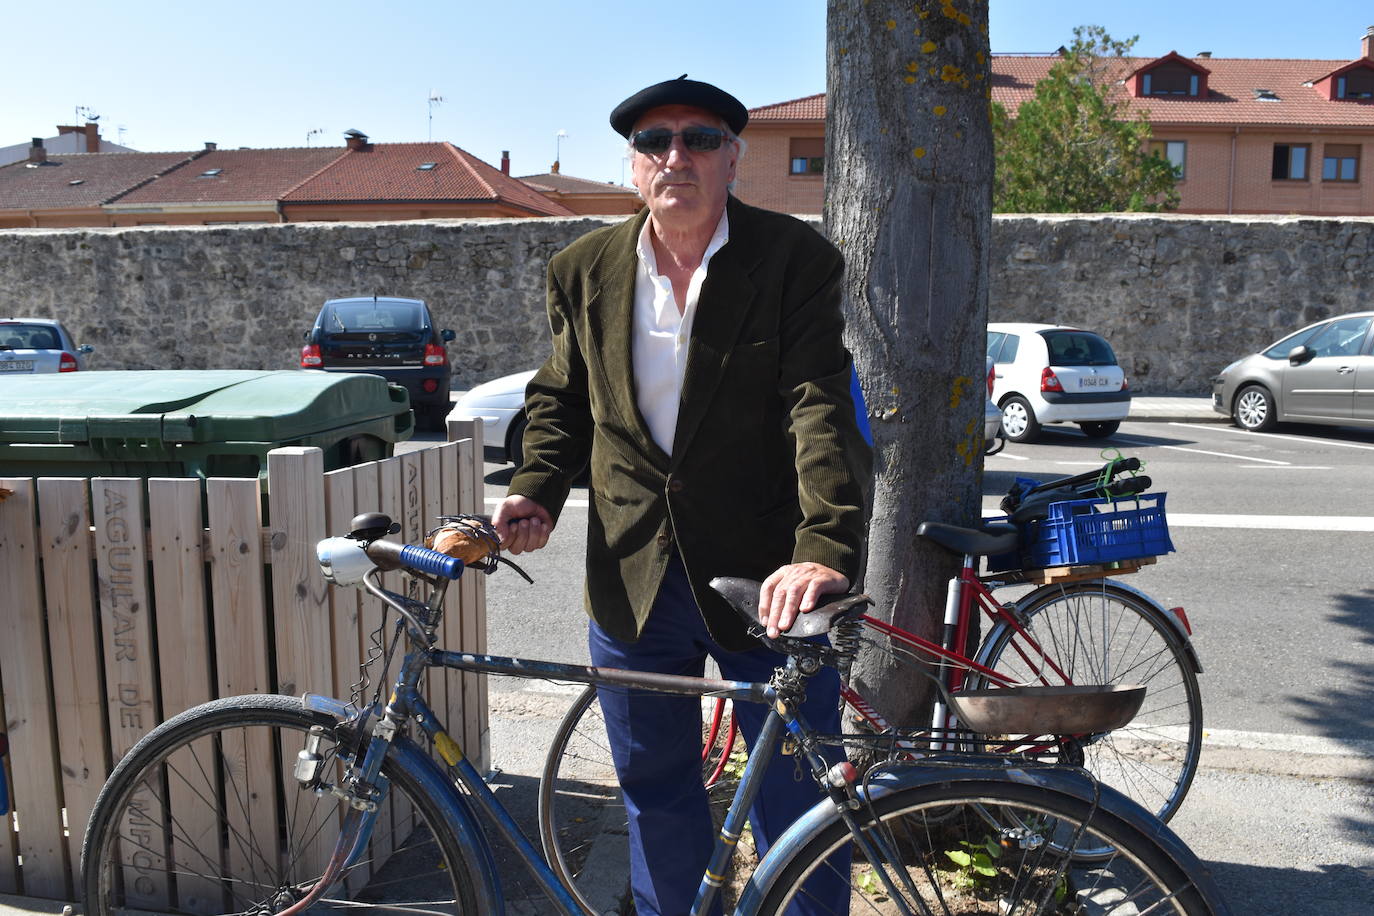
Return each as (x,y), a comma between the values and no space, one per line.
(1341,162)
(807,156)
(1342,337)
(1356,84)
(1170,79)
(1290,162)
(1175,151)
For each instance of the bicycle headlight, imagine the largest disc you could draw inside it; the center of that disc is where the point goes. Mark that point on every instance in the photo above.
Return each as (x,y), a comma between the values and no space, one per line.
(344,561)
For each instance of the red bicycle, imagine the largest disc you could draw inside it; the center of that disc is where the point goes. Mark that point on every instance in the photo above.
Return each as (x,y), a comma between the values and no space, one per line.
(1077,628)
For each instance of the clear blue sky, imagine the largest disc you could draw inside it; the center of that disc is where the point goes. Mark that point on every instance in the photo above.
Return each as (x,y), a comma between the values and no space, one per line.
(513,73)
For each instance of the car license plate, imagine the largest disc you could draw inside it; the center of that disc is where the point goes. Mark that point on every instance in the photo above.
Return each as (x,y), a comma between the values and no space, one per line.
(16,365)
(1094,381)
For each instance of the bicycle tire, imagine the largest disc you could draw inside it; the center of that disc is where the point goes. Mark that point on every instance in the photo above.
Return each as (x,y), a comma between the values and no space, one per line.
(1145,873)
(1105,633)
(187,823)
(580,802)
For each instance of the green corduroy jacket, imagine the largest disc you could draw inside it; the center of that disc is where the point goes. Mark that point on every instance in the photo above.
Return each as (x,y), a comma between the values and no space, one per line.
(768,465)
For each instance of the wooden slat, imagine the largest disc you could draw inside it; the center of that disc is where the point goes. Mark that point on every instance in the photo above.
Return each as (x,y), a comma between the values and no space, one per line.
(367,498)
(340,507)
(117,513)
(36,788)
(185,663)
(300,609)
(470,488)
(450,636)
(74,647)
(9,863)
(240,630)
(432,475)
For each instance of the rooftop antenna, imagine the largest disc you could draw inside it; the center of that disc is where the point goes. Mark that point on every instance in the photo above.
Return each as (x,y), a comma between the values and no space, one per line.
(83,111)
(434,99)
(120,133)
(312,133)
(558,149)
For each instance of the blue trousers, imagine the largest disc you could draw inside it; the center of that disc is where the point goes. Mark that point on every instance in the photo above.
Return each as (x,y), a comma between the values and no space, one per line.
(656,744)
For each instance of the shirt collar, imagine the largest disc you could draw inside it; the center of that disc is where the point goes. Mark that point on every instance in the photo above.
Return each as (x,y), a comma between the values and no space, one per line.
(645,250)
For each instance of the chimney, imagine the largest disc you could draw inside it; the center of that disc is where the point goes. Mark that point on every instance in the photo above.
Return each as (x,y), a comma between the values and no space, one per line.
(1367,44)
(505,162)
(1204,54)
(36,152)
(355,139)
(210,147)
(92,137)
(554,170)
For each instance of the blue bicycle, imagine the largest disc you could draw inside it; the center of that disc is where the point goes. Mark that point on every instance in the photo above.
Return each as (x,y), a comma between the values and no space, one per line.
(279,805)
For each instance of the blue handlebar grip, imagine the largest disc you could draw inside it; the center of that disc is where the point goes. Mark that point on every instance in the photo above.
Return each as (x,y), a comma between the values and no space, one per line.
(424,560)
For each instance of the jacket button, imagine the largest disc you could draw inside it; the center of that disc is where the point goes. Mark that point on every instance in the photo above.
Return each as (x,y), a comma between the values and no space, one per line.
(664,539)
(676,486)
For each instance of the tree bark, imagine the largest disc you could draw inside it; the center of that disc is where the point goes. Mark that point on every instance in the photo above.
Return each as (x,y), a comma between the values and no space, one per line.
(908,199)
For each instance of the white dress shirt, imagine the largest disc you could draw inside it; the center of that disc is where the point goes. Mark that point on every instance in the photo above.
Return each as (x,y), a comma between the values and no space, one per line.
(660,337)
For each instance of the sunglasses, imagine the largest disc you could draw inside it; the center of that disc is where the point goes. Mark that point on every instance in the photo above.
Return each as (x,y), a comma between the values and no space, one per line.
(656,140)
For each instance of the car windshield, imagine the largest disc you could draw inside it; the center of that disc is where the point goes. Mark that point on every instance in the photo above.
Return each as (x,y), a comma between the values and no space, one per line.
(1281,349)
(1078,348)
(28,337)
(372,316)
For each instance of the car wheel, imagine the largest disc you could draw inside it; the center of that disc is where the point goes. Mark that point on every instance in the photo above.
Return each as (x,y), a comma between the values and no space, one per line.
(515,439)
(1099,429)
(1253,409)
(1018,420)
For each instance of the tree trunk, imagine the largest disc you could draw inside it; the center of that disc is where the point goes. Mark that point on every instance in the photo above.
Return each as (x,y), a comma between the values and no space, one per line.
(908,199)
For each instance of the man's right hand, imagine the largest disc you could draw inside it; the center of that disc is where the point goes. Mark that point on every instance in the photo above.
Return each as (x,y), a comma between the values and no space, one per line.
(523,524)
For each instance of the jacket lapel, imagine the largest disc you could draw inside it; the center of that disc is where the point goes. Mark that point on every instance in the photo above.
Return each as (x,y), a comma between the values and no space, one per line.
(726,299)
(611,284)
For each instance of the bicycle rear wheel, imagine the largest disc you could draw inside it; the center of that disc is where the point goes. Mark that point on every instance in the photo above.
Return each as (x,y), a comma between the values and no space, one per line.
(991,847)
(204,815)
(582,821)
(1103,633)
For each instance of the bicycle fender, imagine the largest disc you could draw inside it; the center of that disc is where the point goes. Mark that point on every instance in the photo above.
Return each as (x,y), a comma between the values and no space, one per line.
(1175,625)
(457,812)
(973,768)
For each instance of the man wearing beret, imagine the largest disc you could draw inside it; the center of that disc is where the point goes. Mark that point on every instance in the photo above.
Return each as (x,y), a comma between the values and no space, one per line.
(698,369)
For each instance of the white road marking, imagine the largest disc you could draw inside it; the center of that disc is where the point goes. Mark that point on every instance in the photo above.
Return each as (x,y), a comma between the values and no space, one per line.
(1273,522)
(1296,744)
(1200,451)
(1243,432)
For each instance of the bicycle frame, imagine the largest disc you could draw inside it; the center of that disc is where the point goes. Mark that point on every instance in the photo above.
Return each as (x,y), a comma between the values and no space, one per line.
(407,704)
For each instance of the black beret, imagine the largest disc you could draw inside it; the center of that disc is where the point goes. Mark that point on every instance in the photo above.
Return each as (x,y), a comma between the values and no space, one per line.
(680,91)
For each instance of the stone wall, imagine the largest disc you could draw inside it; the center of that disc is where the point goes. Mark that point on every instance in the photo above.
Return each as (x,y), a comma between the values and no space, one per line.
(1179,297)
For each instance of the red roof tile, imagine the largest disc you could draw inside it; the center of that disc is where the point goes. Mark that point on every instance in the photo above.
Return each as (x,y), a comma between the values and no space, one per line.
(81,179)
(244,175)
(567,184)
(383,172)
(1231,99)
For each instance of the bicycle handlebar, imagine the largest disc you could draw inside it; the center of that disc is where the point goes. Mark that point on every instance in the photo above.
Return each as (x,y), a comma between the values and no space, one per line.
(345,560)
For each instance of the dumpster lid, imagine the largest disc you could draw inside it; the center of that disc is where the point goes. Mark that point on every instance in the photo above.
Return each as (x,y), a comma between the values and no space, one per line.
(191,405)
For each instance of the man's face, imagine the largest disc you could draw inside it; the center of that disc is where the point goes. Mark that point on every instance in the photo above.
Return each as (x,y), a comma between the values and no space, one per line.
(681,185)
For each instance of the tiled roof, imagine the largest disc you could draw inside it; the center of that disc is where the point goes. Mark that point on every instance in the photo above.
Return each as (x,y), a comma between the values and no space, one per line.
(1231,98)
(807,108)
(244,175)
(567,184)
(391,172)
(80,180)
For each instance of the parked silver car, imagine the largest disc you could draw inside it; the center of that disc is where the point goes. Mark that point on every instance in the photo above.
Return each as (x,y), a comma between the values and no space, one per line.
(1321,374)
(33,345)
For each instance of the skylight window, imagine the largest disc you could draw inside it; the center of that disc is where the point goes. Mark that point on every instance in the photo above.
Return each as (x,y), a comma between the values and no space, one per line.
(426,166)
(1266,95)
(210,173)
(76,181)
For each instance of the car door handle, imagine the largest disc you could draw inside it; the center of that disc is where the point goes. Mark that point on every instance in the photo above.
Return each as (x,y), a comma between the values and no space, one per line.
(1345,370)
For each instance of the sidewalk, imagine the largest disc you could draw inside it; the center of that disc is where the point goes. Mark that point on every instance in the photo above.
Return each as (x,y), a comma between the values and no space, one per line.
(1178,407)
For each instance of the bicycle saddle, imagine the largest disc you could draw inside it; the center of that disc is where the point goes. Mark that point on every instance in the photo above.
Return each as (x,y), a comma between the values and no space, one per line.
(743,596)
(978,542)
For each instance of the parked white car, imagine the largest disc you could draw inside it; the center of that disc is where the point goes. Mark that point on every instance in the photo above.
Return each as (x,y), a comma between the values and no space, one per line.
(500,405)
(1047,373)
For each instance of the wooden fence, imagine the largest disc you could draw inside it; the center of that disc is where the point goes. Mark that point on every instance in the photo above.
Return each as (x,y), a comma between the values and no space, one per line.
(127,600)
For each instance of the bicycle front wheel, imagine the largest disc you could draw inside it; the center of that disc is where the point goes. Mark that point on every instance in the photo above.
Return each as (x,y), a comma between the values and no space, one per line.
(205,815)
(992,847)
(1102,633)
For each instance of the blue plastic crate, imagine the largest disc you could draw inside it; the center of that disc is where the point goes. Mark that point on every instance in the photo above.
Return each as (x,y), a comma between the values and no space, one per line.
(1079,532)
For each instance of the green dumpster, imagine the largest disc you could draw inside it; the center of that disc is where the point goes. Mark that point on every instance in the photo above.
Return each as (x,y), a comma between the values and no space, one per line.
(193,423)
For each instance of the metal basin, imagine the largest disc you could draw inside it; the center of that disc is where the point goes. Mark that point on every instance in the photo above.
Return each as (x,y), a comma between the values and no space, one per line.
(1048,710)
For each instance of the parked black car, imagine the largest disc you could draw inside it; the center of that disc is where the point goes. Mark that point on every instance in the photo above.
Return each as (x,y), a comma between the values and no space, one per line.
(387,336)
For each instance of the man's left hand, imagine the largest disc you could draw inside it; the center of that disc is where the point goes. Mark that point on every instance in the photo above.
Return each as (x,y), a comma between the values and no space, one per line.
(795,589)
